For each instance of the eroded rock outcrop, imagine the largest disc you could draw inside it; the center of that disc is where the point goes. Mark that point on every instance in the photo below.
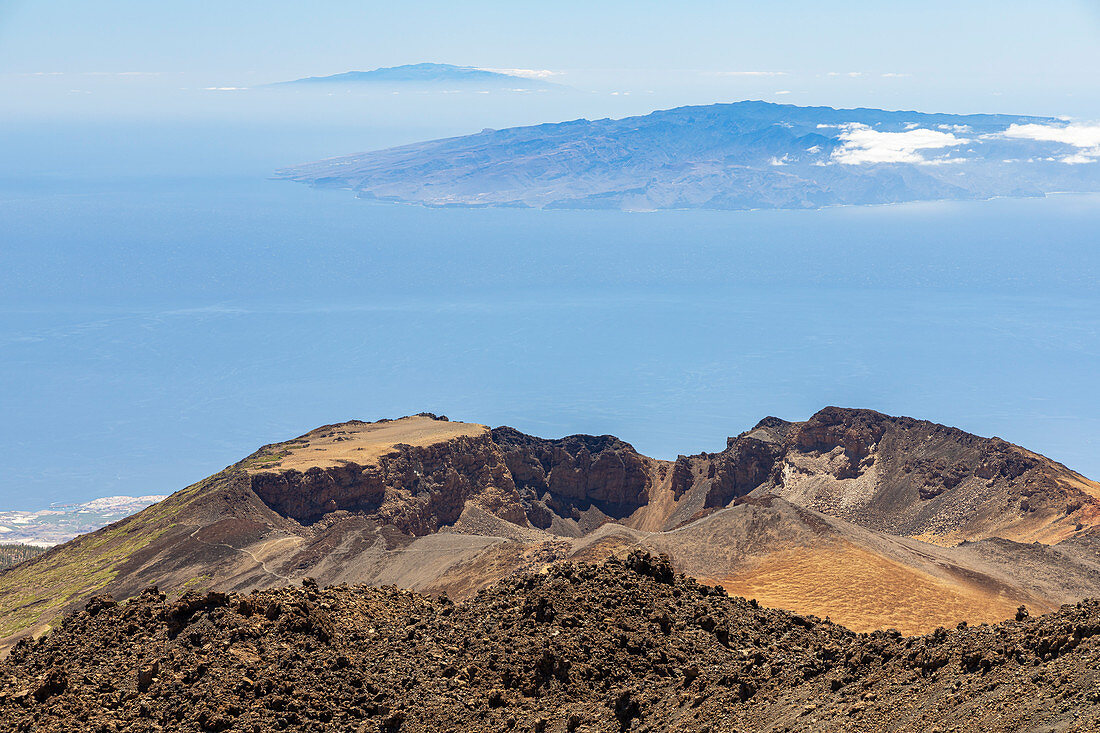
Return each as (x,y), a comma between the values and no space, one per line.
(913,477)
(554,475)
(416,489)
(856,432)
(306,496)
(891,474)
(746,464)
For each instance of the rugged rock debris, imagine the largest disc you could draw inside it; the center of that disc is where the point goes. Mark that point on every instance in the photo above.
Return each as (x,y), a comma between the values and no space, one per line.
(579,470)
(628,645)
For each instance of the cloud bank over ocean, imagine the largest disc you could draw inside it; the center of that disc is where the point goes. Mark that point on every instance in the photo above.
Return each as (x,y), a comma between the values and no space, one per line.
(862,144)
(1084,137)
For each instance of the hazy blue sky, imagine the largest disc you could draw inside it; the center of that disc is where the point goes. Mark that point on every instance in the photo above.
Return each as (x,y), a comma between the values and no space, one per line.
(1006,56)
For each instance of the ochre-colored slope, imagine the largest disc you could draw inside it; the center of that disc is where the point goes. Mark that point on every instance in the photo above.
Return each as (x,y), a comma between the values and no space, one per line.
(865,591)
(34,593)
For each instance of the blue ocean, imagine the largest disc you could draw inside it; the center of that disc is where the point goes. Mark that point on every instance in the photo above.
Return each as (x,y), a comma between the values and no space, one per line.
(159,322)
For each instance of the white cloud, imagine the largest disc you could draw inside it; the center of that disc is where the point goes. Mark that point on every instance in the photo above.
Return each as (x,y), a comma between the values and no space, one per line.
(784,91)
(121,73)
(747,73)
(852,74)
(1084,137)
(1080,136)
(942,160)
(1087,156)
(224,89)
(525,73)
(861,145)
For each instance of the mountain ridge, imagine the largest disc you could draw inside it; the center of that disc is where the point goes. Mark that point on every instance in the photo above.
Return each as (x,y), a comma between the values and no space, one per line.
(423,74)
(426,503)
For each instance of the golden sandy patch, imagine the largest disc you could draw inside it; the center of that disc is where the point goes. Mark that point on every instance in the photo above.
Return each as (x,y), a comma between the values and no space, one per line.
(360,443)
(863,591)
(1077,481)
(662,503)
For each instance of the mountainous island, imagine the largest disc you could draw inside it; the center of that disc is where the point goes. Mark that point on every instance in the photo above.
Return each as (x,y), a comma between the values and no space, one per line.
(746,155)
(425,75)
(410,573)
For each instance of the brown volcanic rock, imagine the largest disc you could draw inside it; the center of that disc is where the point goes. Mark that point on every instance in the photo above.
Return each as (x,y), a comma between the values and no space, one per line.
(308,496)
(708,481)
(579,470)
(746,463)
(628,645)
(414,488)
(856,432)
(916,478)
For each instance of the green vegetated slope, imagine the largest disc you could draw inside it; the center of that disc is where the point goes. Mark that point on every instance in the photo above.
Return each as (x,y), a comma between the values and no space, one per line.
(33,594)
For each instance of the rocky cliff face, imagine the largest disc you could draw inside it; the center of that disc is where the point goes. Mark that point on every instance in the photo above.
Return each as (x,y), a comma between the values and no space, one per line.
(554,476)
(307,496)
(746,463)
(854,432)
(416,489)
(892,474)
(917,478)
(419,489)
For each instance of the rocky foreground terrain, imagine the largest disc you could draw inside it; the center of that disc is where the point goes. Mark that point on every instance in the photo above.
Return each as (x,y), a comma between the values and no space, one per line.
(872,520)
(628,645)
